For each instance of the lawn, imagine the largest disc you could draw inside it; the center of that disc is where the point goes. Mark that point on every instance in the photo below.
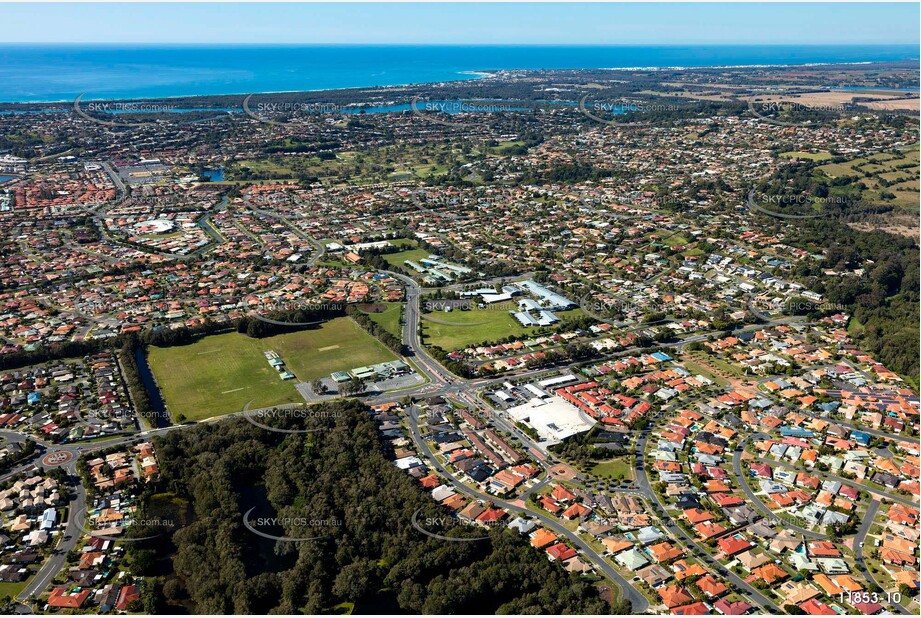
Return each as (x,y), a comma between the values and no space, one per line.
(812,156)
(221,373)
(612,468)
(713,364)
(397,259)
(696,369)
(12,589)
(883,173)
(389,318)
(456,330)
(403,242)
(674,240)
(339,345)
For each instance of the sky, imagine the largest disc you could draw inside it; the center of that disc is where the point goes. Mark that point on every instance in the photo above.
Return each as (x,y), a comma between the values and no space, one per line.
(462,23)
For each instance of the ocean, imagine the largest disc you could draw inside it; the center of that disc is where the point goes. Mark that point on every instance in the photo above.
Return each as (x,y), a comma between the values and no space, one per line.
(48,73)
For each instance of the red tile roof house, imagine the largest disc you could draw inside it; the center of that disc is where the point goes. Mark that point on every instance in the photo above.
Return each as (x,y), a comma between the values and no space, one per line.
(695,516)
(731,609)
(491,516)
(576,511)
(60,598)
(561,552)
(733,545)
(868,609)
(823,549)
(694,609)
(710,586)
(562,494)
(817,608)
(548,504)
(430,482)
(673,596)
(126,595)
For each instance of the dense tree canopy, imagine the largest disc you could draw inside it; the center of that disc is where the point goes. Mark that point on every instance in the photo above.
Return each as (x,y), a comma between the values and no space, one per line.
(367,552)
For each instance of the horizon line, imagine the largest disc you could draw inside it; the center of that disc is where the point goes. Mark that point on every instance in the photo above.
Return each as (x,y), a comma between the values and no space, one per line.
(398,44)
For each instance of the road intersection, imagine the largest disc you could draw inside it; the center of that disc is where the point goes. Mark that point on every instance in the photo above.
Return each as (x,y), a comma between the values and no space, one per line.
(441,382)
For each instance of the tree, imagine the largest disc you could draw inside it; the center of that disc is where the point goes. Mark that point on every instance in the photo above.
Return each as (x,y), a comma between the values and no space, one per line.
(135,606)
(352,387)
(143,561)
(356,580)
(341,475)
(172,590)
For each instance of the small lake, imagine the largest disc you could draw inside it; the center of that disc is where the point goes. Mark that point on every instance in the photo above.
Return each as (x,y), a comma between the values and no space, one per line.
(161,416)
(214,175)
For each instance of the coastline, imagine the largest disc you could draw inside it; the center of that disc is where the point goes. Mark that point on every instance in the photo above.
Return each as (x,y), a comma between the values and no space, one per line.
(475,75)
(468,75)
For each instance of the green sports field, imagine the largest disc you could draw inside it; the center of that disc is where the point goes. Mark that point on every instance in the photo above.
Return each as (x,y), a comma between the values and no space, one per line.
(221,373)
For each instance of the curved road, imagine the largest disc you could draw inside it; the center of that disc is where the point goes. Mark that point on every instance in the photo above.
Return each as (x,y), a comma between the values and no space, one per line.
(862,532)
(740,479)
(843,481)
(638,602)
(643,482)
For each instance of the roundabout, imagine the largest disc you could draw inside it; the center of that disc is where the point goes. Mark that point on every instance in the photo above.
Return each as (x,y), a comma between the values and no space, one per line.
(57,458)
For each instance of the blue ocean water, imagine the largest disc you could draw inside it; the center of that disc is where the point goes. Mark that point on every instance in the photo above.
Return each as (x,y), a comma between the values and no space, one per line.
(36,73)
